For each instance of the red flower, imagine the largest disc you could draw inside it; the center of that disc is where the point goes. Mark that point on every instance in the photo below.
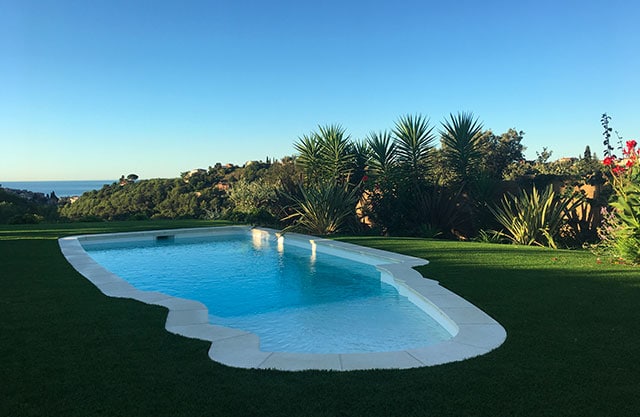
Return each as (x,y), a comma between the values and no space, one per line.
(365,178)
(609,160)
(617,170)
(629,163)
(631,144)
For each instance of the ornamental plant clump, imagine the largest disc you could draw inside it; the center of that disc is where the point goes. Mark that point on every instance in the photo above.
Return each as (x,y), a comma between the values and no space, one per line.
(322,209)
(620,231)
(533,218)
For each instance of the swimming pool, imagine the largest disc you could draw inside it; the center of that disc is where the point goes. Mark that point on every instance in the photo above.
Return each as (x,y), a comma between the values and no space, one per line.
(294,299)
(306,306)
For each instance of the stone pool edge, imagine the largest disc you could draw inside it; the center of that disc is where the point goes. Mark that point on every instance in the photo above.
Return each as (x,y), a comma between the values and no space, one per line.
(475,332)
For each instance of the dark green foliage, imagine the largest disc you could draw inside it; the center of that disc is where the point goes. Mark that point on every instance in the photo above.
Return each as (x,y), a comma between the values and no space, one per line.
(156,198)
(248,193)
(414,141)
(383,156)
(327,155)
(499,152)
(18,210)
(462,146)
(443,212)
(323,209)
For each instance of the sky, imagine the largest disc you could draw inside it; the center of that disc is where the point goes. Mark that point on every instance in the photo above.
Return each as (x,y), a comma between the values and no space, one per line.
(96,89)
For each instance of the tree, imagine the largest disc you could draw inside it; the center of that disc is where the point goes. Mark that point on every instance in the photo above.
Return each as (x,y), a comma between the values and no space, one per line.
(413,139)
(499,152)
(462,145)
(333,167)
(383,153)
(544,156)
(309,155)
(337,153)
(248,197)
(326,155)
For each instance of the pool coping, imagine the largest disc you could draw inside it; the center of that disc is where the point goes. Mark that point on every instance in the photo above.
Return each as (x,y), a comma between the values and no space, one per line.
(474,332)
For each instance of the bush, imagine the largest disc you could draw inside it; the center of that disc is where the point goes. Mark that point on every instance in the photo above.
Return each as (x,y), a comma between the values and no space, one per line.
(27,218)
(323,209)
(533,218)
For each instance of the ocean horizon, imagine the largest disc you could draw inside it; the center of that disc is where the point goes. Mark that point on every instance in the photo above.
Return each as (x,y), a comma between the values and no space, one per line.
(61,188)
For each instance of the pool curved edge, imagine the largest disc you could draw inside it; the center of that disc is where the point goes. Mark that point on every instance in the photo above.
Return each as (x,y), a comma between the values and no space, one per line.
(474,332)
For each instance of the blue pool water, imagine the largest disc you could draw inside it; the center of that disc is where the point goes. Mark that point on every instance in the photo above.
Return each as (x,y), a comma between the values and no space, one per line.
(293,299)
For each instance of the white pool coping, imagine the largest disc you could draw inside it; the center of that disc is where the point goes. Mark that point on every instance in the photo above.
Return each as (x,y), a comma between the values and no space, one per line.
(474,332)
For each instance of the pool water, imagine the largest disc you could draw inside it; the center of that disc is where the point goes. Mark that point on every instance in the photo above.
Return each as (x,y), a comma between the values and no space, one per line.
(294,299)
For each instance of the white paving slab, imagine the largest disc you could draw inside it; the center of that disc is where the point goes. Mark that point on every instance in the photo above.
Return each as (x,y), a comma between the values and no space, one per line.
(445,352)
(302,361)
(379,360)
(473,331)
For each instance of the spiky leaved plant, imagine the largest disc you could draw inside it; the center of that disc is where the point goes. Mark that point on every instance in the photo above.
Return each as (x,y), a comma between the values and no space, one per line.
(382,158)
(462,145)
(413,139)
(533,218)
(326,155)
(323,208)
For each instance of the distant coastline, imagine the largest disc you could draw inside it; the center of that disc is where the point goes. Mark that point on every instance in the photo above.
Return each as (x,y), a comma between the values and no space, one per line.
(60,188)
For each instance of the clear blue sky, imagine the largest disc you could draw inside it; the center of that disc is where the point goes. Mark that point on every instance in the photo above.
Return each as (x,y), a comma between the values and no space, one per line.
(95,89)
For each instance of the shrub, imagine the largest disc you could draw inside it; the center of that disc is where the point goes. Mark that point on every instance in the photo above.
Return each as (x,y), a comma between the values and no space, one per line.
(323,209)
(533,218)
(620,232)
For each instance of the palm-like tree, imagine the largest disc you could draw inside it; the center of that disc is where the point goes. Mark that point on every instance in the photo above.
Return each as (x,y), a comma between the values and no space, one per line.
(328,197)
(383,153)
(326,155)
(361,156)
(413,138)
(336,152)
(462,144)
(310,155)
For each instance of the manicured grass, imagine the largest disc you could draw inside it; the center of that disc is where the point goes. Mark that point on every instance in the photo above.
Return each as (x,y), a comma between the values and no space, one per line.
(573,344)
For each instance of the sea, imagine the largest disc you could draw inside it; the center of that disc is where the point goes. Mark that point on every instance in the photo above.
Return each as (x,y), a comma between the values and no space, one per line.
(61,188)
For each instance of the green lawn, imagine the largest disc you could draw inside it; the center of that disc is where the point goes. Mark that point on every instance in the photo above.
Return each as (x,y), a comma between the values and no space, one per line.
(573,344)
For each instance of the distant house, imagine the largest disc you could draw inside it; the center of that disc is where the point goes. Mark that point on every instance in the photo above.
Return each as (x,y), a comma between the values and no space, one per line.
(223,185)
(197,171)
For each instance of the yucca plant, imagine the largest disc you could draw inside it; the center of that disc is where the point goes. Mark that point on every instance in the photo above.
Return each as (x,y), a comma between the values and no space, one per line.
(309,155)
(383,153)
(413,139)
(337,152)
(361,155)
(533,218)
(327,154)
(461,144)
(444,210)
(323,208)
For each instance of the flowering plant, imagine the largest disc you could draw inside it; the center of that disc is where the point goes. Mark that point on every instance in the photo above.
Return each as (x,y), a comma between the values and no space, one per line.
(621,229)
